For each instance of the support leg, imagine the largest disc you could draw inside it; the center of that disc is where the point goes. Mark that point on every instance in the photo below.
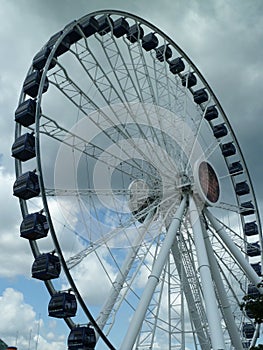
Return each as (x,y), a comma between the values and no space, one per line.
(139,315)
(235,251)
(213,317)
(226,308)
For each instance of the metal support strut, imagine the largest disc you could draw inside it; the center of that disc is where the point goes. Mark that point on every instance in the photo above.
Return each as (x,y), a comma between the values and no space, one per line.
(212,312)
(225,304)
(138,317)
(235,251)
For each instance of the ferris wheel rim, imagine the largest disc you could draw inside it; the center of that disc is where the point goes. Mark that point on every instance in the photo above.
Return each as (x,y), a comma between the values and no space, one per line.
(185,56)
(113,12)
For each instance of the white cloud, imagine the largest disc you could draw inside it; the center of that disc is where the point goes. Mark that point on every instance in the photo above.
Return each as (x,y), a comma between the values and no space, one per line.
(20,324)
(15,313)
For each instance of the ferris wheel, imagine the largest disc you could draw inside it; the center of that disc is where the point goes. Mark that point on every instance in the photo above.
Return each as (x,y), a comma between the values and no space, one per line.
(136,198)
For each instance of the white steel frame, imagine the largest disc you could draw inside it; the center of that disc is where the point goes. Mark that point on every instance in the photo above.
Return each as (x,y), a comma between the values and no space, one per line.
(139,77)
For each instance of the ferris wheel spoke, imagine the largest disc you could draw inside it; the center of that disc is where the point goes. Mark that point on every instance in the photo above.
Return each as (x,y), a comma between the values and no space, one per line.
(117,285)
(210,149)
(151,327)
(105,77)
(139,64)
(229,267)
(112,51)
(76,259)
(143,254)
(67,86)
(89,192)
(145,84)
(120,70)
(106,89)
(163,86)
(52,129)
(106,85)
(231,207)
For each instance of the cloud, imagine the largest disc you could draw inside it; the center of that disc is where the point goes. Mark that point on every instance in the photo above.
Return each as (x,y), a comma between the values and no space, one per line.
(13,309)
(19,320)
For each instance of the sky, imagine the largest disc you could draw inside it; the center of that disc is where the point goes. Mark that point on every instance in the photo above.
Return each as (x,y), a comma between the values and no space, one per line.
(222,37)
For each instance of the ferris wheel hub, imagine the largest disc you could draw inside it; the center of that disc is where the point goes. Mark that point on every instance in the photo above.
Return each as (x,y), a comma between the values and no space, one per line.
(207,184)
